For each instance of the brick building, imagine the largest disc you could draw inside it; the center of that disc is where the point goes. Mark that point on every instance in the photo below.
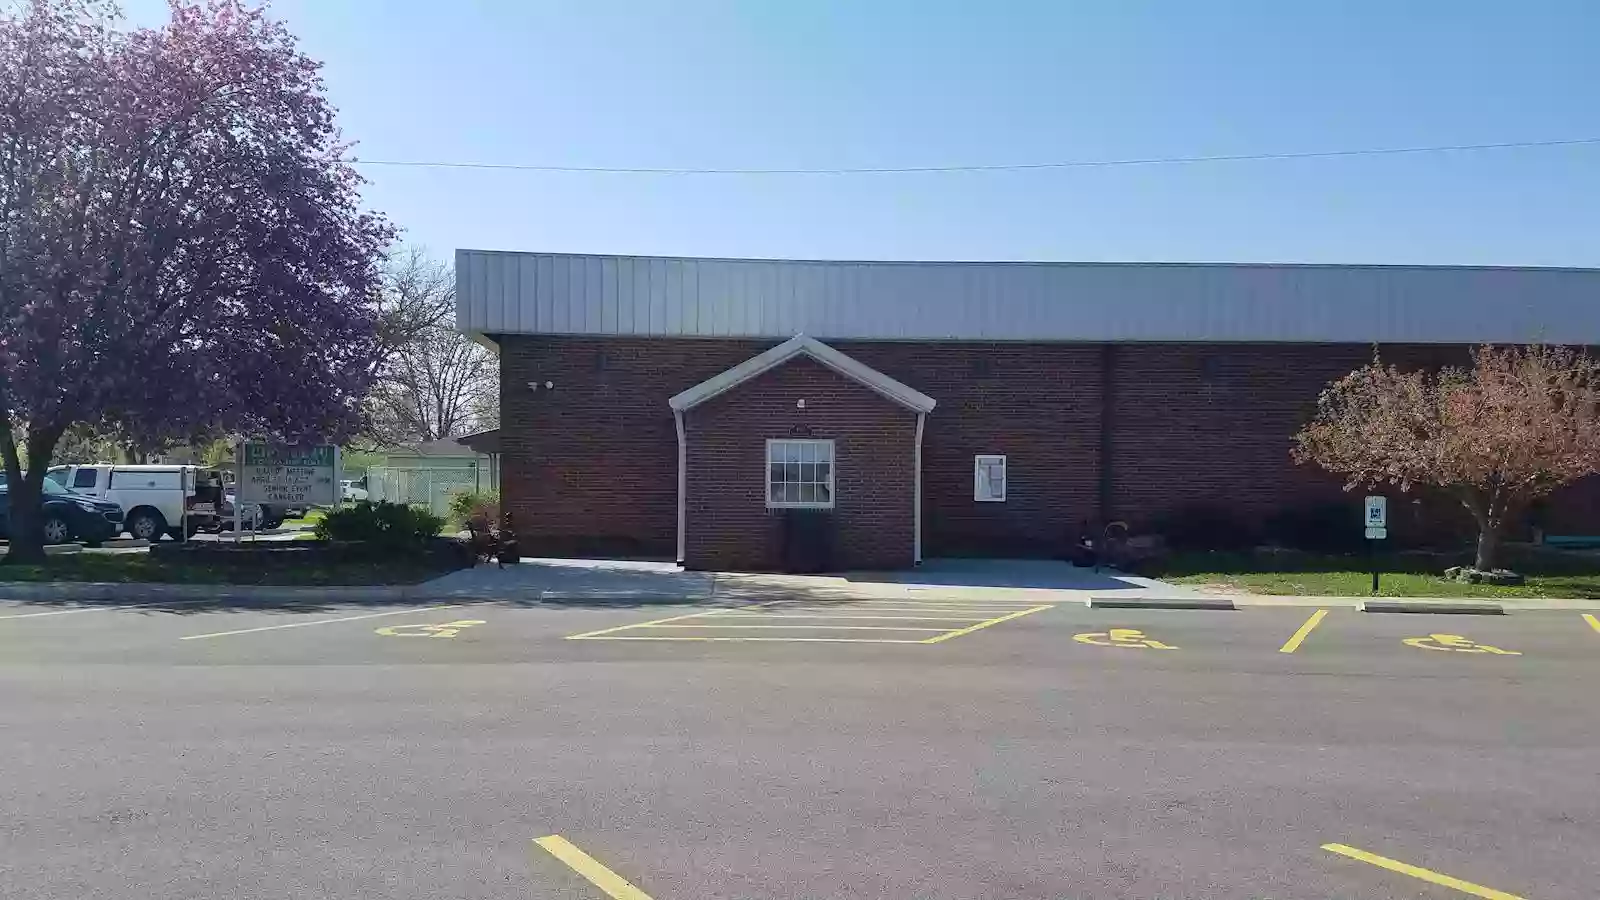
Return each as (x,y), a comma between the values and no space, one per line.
(736,413)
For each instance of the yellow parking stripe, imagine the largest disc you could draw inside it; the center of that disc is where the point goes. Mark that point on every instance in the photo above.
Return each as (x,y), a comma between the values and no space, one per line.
(1421,874)
(1305,630)
(694,615)
(751,639)
(614,885)
(986,610)
(837,617)
(985,624)
(395,612)
(932,601)
(822,616)
(934,598)
(1593,622)
(698,626)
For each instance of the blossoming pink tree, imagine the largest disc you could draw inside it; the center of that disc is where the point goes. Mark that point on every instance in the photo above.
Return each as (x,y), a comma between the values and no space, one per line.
(182,248)
(1519,423)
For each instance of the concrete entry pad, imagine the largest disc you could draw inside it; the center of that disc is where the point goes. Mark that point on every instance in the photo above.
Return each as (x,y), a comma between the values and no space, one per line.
(1035,580)
(539,578)
(1014,574)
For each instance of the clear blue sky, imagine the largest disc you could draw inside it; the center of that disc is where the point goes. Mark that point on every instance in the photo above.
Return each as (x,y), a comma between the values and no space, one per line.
(772,83)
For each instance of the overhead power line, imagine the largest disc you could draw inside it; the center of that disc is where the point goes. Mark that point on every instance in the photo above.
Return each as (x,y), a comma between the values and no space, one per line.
(995,167)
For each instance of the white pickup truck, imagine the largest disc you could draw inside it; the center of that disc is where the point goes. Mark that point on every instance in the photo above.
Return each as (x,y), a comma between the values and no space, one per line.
(154,499)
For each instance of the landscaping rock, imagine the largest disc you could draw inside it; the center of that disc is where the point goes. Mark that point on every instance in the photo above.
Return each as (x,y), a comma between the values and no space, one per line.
(446,553)
(52,549)
(1500,577)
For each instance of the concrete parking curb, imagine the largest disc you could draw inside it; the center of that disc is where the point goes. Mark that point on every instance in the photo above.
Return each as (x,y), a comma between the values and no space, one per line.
(70,591)
(73,591)
(1223,603)
(53,549)
(1457,609)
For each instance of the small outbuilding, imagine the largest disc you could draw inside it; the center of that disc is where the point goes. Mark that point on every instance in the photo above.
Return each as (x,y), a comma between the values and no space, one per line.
(840,445)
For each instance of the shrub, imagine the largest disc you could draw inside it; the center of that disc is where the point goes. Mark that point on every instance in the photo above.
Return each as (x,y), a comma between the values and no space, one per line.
(1204,526)
(467,506)
(1318,528)
(383,524)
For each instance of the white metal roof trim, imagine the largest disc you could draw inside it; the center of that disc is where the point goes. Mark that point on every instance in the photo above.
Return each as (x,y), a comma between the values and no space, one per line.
(542,293)
(799,345)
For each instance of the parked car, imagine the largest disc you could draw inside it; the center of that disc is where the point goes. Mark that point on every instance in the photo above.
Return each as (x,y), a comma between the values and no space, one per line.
(254,515)
(353,491)
(156,499)
(68,516)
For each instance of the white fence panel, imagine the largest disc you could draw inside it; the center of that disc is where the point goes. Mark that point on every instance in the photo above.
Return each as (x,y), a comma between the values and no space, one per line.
(429,487)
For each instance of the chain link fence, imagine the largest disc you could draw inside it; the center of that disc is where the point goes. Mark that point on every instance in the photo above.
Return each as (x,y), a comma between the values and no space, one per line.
(429,487)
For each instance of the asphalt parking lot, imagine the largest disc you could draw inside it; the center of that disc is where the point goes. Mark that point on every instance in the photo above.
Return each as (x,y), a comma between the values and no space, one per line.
(805,749)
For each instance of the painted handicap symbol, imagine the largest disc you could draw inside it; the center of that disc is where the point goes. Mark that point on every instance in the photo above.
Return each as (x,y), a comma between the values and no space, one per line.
(1455,643)
(443,629)
(1121,637)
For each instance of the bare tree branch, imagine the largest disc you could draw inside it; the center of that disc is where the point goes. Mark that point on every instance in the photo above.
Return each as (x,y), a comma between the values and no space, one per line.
(431,382)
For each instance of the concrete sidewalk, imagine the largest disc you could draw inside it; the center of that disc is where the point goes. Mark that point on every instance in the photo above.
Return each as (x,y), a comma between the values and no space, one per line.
(633,581)
(575,580)
(1044,581)
(547,580)
(578,580)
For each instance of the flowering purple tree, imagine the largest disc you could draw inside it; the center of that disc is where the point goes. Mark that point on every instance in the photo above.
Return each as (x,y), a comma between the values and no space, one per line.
(182,248)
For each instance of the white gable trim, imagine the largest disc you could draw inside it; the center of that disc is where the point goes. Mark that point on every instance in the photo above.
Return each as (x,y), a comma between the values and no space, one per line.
(799,345)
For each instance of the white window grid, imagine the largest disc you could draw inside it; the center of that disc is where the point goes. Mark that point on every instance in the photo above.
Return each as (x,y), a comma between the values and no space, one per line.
(799,474)
(989,478)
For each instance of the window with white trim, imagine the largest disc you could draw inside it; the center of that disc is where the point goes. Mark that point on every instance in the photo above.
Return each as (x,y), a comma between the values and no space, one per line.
(989,478)
(800,474)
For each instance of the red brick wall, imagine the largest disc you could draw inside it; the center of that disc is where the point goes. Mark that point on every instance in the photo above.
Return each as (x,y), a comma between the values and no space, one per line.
(590,467)
(729,524)
(1038,404)
(1213,424)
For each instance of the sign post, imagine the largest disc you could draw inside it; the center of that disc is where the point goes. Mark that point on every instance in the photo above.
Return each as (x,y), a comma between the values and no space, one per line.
(1376,520)
(238,499)
(288,476)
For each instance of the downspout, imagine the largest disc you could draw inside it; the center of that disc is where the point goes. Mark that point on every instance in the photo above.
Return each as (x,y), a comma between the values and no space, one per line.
(683,483)
(1108,426)
(916,496)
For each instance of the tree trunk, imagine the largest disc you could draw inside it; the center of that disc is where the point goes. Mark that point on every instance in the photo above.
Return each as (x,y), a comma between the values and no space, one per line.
(1488,547)
(18,519)
(25,528)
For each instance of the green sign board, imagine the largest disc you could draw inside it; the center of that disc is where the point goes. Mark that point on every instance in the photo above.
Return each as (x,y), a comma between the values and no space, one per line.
(320,457)
(288,475)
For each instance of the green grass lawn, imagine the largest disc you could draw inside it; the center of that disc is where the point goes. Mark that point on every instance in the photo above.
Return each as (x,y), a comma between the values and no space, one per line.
(1549,574)
(143,568)
(450,528)
(311,517)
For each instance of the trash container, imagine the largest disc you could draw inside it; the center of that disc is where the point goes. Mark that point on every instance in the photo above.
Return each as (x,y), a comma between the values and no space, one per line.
(807,541)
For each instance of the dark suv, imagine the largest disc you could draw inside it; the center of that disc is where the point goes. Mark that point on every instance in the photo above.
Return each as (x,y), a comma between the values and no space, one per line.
(68,516)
